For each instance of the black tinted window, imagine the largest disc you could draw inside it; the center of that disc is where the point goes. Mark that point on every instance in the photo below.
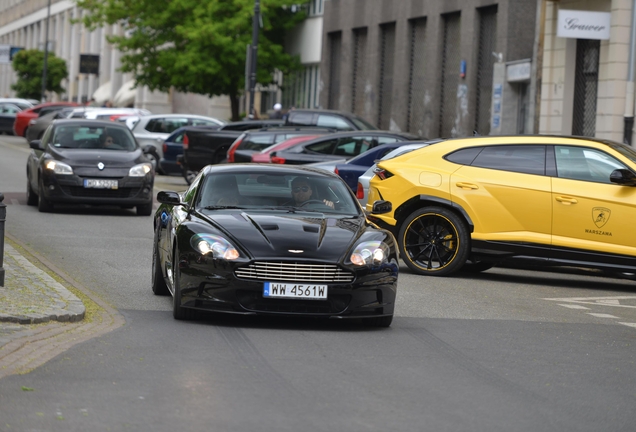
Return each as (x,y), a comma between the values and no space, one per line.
(464,156)
(529,159)
(256,142)
(324,147)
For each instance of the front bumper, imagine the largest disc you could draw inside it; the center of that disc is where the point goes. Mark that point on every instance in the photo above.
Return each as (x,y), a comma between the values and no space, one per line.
(70,189)
(209,284)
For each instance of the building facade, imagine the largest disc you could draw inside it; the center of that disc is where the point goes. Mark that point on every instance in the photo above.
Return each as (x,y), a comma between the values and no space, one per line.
(430,67)
(586,50)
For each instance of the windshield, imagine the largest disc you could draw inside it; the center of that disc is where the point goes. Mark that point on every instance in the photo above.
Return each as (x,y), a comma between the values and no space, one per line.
(91,137)
(277,192)
(362,124)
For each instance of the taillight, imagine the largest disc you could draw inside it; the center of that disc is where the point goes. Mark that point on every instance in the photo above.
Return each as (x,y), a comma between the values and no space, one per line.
(336,170)
(382,173)
(360,191)
(277,160)
(232,150)
(165,148)
(186,142)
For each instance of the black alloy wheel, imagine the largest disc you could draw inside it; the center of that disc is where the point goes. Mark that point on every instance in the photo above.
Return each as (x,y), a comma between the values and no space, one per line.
(153,157)
(178,312)
(159,286)
(32,197)
(434,241)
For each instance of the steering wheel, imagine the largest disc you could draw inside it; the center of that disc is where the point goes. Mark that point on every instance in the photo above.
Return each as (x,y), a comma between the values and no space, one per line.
(313,201)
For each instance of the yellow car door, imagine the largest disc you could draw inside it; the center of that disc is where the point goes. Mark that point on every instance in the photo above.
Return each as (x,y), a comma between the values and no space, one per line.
(507,194)
(590,212)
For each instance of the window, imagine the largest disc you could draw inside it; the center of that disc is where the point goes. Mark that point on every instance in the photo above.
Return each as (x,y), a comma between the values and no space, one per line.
(333,122)
(579,163)
(323,147)
(305,119)
(529,159)
(464,156)
(353,146)
(256,142)
(386,140)
(202,122)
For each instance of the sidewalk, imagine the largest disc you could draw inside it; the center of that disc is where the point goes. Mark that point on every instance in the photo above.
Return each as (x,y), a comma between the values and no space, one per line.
(31,296)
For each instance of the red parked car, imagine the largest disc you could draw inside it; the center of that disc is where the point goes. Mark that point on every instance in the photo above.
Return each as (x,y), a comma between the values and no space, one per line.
(23,118)
(264,156)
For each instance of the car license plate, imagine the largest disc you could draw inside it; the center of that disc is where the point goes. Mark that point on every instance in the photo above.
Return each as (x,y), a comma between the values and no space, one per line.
(101,184)
(290,290)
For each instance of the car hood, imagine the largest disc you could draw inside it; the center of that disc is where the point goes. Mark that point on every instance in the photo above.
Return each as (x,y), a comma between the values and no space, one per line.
(89,158)
(300,235)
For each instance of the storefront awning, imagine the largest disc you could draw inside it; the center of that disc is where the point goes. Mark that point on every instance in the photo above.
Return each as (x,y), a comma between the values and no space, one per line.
(125,96)
(102,94)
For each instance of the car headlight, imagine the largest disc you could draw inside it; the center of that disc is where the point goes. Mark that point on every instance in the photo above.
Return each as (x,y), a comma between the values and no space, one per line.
(58,167)
(370,253)
(140,170)
(217,246)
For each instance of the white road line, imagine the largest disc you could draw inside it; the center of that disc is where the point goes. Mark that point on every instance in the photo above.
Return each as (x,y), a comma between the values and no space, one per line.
(600,315)
(628,324)
(613,301)
(574,307)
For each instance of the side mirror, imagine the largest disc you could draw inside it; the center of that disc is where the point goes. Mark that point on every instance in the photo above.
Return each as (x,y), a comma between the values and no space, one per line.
(381,207)
(169,197)
(623,177)
(36,145)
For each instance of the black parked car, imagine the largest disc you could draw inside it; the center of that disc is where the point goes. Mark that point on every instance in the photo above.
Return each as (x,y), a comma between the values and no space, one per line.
(338,120)
(337,146)
(89,162)
(273,240)
(8,112)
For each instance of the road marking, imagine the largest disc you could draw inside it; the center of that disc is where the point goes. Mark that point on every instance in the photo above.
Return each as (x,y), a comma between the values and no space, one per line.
(614,301)
(600,315)
(628,324)
(574,307)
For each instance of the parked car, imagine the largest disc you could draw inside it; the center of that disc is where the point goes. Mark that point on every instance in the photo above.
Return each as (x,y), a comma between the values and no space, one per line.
(205,146)
(89,162)
(362,187)
(338,120)
(151,130)
(544,200)
(337,147)
(22,103)
(233,243)
(38,126)
(8,113)
(255,141)
(23,118)
(264,156)
(172,162)
(353,168)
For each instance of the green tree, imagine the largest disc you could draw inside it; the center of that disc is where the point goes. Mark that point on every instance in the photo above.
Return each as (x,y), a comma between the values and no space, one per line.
(29,64)
(197,46)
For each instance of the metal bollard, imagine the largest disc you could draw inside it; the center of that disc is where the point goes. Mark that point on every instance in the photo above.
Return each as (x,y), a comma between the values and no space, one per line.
(3,217)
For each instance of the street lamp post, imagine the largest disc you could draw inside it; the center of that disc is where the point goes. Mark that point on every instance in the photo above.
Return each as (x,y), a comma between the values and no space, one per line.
(254,51)
(46,52)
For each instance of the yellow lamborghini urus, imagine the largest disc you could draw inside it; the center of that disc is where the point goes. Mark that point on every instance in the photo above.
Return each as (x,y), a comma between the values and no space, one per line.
(476,202)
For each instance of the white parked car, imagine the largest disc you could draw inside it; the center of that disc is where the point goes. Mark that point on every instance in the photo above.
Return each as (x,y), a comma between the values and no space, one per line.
(112,114)
(19,102)
(151,130)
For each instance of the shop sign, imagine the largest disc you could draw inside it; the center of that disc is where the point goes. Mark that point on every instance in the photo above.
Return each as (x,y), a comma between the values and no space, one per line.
(577,24)
(519,72)
(89,64)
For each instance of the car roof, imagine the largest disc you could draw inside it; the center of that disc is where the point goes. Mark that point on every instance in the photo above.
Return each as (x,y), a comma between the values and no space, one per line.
(89,123)
(268,169)
(532,139)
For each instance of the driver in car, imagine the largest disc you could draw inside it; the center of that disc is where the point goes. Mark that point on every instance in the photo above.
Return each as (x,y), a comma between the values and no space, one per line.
(302,192)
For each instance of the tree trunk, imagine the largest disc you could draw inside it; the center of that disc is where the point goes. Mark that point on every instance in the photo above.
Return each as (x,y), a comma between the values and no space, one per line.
(234,104)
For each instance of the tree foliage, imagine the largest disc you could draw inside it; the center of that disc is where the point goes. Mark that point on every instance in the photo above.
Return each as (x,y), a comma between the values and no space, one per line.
(196,46)
(29,65)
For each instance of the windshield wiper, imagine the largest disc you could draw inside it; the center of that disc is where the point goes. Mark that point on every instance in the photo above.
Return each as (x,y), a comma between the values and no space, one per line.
(220,207)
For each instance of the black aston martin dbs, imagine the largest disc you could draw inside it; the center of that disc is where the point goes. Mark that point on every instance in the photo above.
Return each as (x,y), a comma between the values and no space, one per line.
(238,241)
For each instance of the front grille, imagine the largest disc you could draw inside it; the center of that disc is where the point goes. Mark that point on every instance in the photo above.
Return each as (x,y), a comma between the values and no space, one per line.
(295,272)
(78,191)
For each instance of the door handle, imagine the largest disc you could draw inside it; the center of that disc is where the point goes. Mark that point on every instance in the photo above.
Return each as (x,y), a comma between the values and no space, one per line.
(464,185)
(566,200)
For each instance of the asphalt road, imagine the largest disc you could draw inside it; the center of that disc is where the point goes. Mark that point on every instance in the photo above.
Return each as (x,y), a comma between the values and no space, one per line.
(506,350)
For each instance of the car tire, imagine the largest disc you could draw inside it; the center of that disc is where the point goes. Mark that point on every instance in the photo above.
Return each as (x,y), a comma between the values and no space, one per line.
(44,205)
(434,241)
(153,157)
(144,210)
(159,286)
(32,197)
(178,312)
(384,321)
